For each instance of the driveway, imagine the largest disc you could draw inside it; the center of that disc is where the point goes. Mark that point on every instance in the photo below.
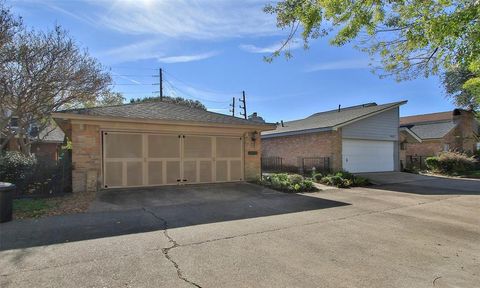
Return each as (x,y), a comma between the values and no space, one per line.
(363,237)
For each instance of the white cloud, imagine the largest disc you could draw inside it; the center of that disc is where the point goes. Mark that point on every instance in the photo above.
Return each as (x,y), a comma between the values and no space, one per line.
(187,19)
(292,45)
(340,65)
(149,49)
(187,58)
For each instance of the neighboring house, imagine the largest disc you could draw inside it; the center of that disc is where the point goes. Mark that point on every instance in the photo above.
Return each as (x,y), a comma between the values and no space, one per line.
(361,138)
(456,130)
(158,143)
(46,143)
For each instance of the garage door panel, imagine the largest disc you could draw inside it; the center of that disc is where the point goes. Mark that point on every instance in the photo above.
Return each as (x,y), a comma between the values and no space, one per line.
(190,171)
(197,147)
(155,172)
(228,147)
(113,174)
(367,155)
(221,168)
(163,146)
(235,170)
(124,145)
(206,172)
(173,172)
(134,173)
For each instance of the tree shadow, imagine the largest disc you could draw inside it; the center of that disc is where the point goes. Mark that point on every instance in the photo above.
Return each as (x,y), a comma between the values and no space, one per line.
(121,212)
(431,185)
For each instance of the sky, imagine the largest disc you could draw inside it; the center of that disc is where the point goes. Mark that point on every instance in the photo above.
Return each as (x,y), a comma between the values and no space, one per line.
(212,50)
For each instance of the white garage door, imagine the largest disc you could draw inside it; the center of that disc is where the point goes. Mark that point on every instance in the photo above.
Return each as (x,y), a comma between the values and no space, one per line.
(367,155)
(145,159)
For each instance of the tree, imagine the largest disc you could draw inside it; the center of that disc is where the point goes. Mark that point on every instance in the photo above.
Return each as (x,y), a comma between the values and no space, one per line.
(454,80)
(409,38)
(47,71)
(175,100)
(106,98)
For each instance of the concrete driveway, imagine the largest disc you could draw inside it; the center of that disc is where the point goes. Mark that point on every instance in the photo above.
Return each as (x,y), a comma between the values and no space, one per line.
(363,237)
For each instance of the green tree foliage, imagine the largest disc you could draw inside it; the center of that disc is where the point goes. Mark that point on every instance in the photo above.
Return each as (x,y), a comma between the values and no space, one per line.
(454,80)
(409,38)
(175,100)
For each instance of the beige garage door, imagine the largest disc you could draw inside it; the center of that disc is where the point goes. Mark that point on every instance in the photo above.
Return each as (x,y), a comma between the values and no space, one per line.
(145,159)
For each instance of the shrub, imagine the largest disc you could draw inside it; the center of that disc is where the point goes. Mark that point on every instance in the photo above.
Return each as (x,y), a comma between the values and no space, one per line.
(288,183)
(451,163)
(295,178)
(317,177)
(334,180)
(343,179)
(15,167)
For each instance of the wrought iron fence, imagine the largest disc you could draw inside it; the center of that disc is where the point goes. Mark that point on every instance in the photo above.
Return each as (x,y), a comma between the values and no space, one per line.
(416,162)
(272,164)
(320,164)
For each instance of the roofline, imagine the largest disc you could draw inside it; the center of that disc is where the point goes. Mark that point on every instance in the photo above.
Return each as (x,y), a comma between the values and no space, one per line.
(323,129)
(415,136)
(398,104)
(297,132)
(74,116)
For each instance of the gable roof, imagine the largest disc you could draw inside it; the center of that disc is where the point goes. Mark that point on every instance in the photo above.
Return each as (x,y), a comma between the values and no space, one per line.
(432,117)
(160,111)
(433,130)
(329,120)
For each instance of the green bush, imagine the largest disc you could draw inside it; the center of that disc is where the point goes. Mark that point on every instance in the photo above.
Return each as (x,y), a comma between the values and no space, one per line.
(343,179)
(288,183)
(15,167)
(317,177)
(451,163)
(295,178)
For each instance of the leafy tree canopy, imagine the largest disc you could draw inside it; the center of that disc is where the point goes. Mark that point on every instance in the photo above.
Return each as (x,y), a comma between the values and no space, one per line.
(175,100)
(409,38)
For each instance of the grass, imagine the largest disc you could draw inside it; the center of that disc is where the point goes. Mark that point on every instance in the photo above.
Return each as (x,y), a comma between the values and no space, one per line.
(32,208)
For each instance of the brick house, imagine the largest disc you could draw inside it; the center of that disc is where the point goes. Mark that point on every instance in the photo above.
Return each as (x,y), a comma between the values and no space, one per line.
(159,143)
(44,144)
(362,138)
(456,130)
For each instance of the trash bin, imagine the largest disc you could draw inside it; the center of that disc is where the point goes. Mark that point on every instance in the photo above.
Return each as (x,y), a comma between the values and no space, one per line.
(6,201)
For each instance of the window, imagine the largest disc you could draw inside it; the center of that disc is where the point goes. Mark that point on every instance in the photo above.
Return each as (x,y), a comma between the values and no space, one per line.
(478,146)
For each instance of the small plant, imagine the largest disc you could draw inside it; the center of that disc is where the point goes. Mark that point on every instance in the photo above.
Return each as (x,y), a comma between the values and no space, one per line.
(317,177)
(295,178)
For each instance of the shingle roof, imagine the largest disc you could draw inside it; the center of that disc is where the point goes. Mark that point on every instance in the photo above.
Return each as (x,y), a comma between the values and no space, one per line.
(329,119)
(162,111)
(432,130)
(52,134)
(440,116)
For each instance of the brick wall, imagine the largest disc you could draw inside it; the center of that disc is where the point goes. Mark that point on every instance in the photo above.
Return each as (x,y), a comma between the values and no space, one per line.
(461,138)
(86,157)
(291,148)
(252,162)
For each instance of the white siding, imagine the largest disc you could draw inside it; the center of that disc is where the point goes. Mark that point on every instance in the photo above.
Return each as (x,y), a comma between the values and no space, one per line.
(383,126)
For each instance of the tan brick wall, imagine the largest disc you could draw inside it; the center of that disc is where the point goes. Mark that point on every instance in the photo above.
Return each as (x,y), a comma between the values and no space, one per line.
(86,157)
(291,148)
(252,162)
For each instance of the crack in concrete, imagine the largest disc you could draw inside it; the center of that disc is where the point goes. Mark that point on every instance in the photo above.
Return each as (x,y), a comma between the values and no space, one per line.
(313,223)
(166,251)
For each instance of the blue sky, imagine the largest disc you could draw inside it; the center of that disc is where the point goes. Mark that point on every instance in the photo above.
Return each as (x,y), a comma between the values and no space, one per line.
(211,50)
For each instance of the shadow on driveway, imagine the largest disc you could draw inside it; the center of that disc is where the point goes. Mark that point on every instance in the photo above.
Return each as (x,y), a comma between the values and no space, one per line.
(120,212)
(423,184)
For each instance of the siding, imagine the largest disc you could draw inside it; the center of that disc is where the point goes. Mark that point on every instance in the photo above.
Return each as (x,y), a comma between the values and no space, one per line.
(383,126)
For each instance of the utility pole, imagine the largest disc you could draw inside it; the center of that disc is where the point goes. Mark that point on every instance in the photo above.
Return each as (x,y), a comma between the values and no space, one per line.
(160,83)
(233,107)
(242,100)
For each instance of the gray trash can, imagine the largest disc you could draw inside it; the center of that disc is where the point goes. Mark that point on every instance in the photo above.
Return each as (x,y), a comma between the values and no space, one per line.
(6,201)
